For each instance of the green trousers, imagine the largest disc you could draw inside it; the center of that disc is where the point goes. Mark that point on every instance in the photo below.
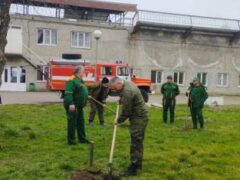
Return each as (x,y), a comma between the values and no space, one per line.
(96,108)
(75,121)
(168,104)
(137,130)
(197,116)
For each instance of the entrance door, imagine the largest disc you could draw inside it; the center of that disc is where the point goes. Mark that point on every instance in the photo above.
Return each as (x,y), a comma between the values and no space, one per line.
(13,79)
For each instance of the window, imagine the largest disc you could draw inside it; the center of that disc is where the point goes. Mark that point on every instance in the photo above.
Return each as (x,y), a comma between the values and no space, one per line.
(41,73)
(123,71)
(203,78)
(106,70)
(47,37)
(23,76)
(222,79)
(14,74)
(239,80)
(81,39)
(178,77)
(156,77)
(6,75)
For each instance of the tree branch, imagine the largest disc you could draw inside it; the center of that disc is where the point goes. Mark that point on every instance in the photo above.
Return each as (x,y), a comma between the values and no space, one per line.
(4,23)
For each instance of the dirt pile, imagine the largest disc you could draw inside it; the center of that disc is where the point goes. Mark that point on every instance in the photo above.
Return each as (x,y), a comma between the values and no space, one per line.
(88,175)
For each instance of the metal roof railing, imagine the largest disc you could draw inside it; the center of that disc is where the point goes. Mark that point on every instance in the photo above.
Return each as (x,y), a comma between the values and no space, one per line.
(187,21)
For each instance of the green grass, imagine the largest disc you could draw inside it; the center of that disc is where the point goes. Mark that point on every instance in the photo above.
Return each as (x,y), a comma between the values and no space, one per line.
(33,145)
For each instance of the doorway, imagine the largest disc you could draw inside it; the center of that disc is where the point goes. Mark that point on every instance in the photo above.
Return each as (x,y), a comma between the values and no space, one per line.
(13,79)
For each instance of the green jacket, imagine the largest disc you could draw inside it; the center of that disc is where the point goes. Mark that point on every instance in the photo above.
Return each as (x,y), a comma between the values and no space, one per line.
(75,93)
(133,105)
(197,96)
(98,92)
(170,90)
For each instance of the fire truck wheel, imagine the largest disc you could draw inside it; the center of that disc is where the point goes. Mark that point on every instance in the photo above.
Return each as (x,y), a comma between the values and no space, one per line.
(144,95)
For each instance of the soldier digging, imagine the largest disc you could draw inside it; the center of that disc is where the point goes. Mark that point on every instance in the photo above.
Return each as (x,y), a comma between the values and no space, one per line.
(134,109)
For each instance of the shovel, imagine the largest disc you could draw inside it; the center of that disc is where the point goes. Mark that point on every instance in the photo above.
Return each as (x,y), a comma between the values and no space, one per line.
(185,121)
(110,177)
(186,117)
(101,104)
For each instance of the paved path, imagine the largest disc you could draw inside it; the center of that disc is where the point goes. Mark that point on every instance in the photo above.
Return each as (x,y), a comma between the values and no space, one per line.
(54,97)
(30,97)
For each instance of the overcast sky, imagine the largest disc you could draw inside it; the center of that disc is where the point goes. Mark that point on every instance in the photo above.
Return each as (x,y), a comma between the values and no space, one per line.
(212,8)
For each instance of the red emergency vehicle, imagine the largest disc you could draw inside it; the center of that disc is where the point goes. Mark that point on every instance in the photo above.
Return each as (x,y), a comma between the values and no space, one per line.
(59,71)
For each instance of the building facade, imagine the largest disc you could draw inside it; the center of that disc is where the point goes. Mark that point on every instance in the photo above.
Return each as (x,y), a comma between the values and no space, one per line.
(152,47)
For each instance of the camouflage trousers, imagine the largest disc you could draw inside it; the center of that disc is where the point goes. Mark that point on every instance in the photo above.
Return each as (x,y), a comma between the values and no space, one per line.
(137,130)
(96,108)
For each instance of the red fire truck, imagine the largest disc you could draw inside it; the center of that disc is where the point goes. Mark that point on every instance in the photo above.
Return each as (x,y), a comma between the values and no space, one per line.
(59,71)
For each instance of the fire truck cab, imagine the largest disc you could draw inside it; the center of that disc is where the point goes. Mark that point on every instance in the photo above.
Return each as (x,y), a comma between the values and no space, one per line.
(59,71)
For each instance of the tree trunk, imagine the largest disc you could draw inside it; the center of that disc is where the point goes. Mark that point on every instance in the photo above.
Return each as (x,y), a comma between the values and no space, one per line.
(4,22)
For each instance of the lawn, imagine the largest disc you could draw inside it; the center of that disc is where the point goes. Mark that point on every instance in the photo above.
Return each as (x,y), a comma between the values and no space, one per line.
(33,145)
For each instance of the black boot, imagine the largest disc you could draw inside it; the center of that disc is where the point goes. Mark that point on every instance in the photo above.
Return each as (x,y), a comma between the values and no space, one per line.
(139,167)
(102,123)
(131,170)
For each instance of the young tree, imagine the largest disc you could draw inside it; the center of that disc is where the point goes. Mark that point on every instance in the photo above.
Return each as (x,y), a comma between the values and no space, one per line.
(4,22)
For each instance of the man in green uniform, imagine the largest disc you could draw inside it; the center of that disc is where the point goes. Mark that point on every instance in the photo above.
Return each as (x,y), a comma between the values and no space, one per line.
(134,109)
(75,99)
(100,93)
(169,91)
(197,97)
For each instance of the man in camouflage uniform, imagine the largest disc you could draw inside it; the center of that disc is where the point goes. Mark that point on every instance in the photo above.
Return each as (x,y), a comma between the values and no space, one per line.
(169,91)
(100,93)
(134,109)
(75,99)
(197,96)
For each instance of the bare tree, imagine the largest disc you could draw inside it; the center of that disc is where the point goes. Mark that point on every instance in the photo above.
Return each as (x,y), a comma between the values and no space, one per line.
(4,22)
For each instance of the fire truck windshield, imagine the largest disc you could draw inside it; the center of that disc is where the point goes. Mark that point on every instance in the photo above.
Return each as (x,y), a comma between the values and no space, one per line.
(106,70)
(122,71)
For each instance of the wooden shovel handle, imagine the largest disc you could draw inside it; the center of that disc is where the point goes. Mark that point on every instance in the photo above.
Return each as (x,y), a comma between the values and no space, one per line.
(114,135)
(103,105)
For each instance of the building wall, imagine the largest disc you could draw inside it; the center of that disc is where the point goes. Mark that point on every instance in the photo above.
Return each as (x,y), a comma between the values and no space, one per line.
(145,51)
(113,45)
(167,52)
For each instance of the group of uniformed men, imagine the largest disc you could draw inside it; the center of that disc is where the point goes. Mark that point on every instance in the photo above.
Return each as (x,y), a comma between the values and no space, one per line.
(197,95)
(133,108)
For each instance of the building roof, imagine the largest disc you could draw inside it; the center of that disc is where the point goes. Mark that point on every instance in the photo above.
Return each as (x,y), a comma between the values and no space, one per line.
(120,7)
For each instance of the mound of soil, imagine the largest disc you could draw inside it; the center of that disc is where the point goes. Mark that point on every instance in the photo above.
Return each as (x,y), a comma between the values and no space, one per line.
(85,175)
(89,175)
